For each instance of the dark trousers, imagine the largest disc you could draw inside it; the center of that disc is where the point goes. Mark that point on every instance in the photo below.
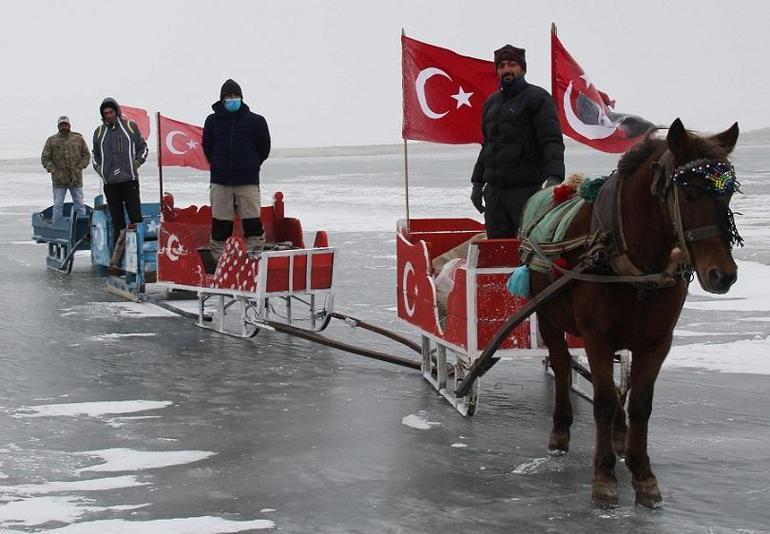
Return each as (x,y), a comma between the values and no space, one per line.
(120,196)
(503,208)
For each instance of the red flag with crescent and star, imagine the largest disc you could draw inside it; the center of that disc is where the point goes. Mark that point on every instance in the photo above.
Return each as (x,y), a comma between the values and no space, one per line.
(585,113)
(139,116)
(443,93)
(180,144)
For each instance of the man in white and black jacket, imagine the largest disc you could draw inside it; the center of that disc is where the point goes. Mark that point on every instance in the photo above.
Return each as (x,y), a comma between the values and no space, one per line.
(523,146)
(118,151)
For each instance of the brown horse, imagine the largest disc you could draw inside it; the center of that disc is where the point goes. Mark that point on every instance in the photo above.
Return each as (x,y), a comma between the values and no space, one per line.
(667,204)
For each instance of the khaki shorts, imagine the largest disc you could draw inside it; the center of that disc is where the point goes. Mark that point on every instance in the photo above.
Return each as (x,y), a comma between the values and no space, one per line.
(226,200)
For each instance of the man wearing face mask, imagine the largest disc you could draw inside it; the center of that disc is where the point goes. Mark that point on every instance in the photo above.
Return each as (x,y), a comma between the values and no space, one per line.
(236,142)
(65,155)
(523,148)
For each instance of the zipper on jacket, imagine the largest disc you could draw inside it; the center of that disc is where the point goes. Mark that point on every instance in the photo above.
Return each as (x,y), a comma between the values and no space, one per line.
(230,168)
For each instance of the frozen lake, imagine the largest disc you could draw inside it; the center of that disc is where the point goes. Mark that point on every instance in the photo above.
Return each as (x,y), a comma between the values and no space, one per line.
(122,418)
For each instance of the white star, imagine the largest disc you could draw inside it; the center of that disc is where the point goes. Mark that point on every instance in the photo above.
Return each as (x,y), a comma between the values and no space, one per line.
(463,98)
(192,144)
(589,83)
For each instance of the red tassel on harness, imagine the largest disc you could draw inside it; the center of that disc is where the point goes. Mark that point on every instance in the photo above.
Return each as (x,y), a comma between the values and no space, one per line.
(559,262)
(561,193)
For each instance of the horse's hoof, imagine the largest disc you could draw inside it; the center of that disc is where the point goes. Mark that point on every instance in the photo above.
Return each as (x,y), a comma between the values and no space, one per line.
(647,493)
(558,443)
(604,494)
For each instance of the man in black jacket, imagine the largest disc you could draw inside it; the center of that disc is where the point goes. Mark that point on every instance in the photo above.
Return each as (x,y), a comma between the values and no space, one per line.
(523,146)
(236,142)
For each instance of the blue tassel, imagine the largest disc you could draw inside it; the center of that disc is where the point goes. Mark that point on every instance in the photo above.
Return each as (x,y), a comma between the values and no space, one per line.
(518,283)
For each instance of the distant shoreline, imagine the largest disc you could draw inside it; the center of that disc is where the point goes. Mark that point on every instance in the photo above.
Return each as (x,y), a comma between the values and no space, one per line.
(752,138)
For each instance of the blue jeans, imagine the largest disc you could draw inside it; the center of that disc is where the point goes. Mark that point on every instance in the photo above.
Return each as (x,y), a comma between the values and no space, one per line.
(58,201)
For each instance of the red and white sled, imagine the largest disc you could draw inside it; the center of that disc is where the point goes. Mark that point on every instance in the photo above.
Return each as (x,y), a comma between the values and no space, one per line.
(477,304)
(289,283)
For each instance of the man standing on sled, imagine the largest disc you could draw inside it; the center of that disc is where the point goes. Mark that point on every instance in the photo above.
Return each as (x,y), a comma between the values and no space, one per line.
(236,142)
(119,149)
(65,155)
(522,149)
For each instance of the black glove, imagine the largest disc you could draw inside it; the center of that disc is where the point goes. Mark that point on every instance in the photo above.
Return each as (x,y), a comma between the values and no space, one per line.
(552,181)
(477,196)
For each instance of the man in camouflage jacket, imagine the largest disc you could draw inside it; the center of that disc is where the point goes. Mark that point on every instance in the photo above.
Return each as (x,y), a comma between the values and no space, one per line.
(65,155)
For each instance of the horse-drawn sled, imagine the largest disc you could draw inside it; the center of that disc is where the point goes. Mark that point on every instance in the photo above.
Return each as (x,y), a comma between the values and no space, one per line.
(611,277)
(614,270)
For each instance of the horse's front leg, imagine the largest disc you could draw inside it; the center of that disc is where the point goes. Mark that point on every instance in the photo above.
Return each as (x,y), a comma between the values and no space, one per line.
(644,371)
(600,358)
(559,360)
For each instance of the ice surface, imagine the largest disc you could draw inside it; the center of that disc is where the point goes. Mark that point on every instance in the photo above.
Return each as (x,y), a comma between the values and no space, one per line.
(93,409)
(418,421)
(123,459)
(750,356)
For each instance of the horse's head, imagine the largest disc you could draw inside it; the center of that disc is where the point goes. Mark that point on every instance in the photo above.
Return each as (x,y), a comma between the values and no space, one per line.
(701,182)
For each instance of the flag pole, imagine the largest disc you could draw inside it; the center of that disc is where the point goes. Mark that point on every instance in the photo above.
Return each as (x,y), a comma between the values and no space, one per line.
(406,153)
(160,159)
(406,183)
(553,61)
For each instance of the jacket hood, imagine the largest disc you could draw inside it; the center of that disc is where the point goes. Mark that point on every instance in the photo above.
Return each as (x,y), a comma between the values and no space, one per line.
(110,103)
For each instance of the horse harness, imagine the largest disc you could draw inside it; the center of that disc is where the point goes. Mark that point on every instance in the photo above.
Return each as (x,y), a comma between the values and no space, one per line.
(606,243)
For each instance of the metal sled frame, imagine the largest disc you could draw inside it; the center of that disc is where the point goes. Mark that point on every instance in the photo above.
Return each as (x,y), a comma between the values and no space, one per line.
(444,364)
(307,309)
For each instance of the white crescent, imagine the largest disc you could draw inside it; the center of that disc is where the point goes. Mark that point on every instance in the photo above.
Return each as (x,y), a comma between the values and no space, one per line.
(172,244)
(170,142)
(589,131)
(419,85)
(407,269)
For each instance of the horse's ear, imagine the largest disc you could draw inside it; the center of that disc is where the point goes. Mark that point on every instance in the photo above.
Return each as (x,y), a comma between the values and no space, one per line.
(677,138)
(728,138)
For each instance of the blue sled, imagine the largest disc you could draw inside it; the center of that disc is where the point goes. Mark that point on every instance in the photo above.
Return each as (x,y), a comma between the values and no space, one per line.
(138,265)
(64,237)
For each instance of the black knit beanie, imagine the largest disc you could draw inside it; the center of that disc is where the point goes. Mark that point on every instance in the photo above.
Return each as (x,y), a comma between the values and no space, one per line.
(511,53)
(230,86)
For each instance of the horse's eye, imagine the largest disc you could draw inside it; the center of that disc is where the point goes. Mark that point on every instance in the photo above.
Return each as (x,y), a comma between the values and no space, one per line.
(692,193)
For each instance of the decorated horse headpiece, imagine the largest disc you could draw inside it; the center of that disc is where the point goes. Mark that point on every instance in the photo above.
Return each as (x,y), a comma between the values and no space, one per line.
(716,178)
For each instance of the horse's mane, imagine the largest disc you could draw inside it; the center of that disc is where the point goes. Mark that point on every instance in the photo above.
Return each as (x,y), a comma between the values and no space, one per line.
(704,147)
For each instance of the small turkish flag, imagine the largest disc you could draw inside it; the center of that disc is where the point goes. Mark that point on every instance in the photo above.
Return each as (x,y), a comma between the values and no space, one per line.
(139,116)
(585,112)
(444,93)
(180,144)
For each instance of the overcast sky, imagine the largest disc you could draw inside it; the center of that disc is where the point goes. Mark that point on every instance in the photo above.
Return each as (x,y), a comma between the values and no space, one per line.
(329,73)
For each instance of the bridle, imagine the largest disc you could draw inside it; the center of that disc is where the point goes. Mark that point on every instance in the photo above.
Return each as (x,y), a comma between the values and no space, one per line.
(719,177)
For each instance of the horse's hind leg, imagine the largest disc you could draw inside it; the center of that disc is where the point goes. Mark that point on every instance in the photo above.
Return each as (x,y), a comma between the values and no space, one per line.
(600,357)
(559,359)
(644,371)
(619,427)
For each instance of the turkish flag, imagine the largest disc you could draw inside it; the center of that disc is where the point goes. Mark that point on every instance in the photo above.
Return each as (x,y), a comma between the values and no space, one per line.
(586,113)
(139,116)
(444,93)
(180,144)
